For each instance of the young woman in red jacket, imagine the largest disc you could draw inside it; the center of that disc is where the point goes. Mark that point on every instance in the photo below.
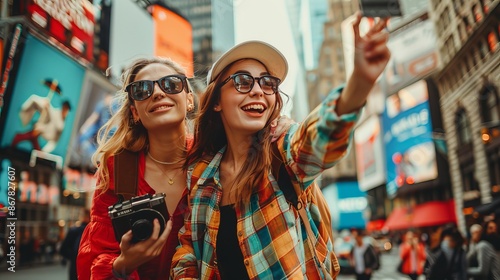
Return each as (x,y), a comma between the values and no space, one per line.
(151,121)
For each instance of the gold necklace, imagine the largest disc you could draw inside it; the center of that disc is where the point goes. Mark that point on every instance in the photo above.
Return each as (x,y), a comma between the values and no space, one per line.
(159,161)
(170,180)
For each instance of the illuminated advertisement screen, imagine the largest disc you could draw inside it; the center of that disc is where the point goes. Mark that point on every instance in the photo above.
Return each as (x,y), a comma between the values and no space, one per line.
(43,101)
(413,54)
(347,205)
(409,148)
(97,109)
(69,22)
(369,154)
(173,37)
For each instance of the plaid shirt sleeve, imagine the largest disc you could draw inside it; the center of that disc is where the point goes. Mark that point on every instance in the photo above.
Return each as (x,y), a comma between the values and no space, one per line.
(320,141)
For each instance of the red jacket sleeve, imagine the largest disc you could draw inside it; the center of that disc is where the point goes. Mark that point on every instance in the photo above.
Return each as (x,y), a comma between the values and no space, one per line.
(98,246)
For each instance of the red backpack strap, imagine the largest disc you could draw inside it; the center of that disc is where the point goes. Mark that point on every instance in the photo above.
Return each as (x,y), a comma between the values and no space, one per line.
(126,177)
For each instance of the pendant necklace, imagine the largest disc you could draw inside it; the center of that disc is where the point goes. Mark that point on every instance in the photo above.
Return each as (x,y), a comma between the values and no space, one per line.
(157,162)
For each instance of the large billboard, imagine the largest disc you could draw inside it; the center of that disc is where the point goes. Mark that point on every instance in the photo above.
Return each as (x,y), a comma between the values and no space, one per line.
(92,114)
(69,22)
(414,54)
(129,39)
(348,205)
(369,154)
(173,37)
(409,147)
(43,101)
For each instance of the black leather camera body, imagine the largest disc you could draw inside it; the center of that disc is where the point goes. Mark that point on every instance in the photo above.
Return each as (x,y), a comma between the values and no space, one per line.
(138,214)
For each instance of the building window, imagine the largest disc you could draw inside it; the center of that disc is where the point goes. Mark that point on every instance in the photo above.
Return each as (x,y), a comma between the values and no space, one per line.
(469,183)
(494,166)
(489,102)
(463,128)
(478,13)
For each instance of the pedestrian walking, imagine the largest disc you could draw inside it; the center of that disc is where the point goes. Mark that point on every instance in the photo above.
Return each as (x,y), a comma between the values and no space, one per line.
(481,256)
(71,243)
(451,263)
(412,254)
(364,257)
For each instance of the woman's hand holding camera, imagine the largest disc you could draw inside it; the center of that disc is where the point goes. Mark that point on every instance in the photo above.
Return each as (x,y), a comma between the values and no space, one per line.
(135,254)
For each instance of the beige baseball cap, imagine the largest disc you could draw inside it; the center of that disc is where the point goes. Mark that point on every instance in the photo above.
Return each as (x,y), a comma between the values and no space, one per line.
(268,55)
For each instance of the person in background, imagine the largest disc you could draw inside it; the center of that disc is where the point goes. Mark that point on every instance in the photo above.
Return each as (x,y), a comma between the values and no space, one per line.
(412,254)
(434,248)
(71,243)
(364,257)
(481,256)
(241,225)
(451,263)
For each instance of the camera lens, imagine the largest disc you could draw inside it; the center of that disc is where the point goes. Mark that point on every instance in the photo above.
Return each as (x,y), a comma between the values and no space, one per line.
(142,229)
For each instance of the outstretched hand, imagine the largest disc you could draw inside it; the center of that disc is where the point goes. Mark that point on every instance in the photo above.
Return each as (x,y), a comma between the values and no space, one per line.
(371,54)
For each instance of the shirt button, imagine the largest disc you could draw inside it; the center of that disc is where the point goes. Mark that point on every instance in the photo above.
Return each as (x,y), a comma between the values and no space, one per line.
(247,262)
(240,233)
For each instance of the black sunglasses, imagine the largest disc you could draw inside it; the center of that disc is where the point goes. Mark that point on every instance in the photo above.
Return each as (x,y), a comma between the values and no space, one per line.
(244,83)
(142,90)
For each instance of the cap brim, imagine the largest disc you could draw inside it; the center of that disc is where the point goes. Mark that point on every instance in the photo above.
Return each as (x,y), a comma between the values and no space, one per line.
(274,61)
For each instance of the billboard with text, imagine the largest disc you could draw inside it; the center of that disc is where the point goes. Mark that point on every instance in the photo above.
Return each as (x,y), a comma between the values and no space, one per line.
(409,147)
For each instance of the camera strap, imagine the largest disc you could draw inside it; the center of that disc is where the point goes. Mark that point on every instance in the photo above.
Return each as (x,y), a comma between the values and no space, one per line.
(126,169)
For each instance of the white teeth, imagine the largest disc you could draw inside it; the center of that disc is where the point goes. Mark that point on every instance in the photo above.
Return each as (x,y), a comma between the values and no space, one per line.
(161,108)
(258,107)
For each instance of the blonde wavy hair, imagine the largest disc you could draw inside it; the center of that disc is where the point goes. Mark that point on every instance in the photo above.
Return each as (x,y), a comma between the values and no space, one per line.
(120,132)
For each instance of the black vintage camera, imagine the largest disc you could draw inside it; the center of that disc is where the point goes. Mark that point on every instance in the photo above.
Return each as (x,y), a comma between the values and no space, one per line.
(138,214)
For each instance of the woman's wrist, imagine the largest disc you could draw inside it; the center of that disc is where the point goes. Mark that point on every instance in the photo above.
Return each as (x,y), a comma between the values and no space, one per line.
(120,269)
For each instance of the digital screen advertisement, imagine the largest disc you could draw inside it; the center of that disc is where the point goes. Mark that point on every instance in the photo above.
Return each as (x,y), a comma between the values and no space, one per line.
(70,22)
(347,204)
(369,154)
(97,109)
(44,100)
(409,147)
(173,37)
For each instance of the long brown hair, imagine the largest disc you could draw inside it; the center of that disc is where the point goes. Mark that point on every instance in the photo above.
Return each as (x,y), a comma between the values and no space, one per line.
(120,132)
(210,137)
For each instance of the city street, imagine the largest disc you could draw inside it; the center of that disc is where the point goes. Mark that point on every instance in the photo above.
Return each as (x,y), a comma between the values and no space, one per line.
(56,271)
(387,270)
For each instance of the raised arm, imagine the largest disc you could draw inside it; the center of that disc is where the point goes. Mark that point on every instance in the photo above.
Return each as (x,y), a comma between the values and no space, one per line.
(325,135)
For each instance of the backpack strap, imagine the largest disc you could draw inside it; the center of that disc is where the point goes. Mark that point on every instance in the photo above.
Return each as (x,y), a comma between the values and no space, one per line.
(278,169)
(125,175)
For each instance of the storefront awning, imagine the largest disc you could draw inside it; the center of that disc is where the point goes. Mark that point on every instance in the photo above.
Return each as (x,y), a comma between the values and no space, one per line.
(434,213)
(375,225)
(427,214)
(398,219)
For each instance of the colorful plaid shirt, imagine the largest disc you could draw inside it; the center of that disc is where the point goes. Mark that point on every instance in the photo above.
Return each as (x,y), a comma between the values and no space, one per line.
(267,230)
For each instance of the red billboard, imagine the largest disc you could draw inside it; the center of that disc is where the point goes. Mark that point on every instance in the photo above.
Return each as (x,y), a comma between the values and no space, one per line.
(173,37)
(69,22)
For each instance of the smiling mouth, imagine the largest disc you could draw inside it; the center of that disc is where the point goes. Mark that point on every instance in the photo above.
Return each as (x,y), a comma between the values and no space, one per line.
(259,108)
(163,107)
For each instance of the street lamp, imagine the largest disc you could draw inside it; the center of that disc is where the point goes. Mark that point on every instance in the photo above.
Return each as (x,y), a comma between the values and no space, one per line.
(490,131)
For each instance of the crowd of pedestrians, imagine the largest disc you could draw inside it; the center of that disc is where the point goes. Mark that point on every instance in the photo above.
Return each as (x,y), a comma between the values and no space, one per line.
(449,256)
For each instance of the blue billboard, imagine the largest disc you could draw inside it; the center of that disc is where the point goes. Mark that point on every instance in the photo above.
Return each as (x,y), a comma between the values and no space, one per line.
(347,204)
(44,100)
(407,126)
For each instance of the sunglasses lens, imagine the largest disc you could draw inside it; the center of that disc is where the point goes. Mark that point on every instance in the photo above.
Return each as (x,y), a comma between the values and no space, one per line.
(171,84)
(141,90)
(243,82)
(269,84)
